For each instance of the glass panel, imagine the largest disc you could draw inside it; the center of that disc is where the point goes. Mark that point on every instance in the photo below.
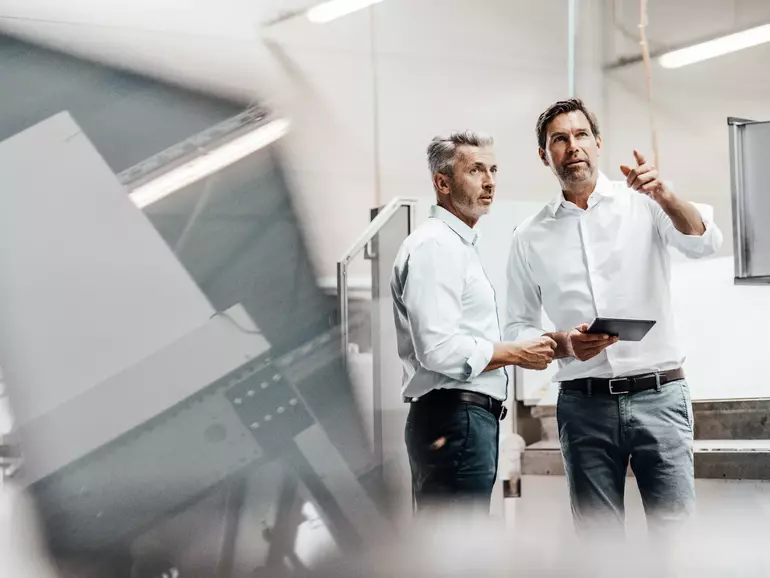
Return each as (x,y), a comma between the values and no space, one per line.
(387,369)
(359,355)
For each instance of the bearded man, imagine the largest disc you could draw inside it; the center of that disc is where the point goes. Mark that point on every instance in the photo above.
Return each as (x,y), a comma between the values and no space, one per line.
(449,334)
(601,248)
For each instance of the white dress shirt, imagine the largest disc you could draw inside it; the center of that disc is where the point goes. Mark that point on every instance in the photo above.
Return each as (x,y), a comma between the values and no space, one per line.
(445,311)
(611,260)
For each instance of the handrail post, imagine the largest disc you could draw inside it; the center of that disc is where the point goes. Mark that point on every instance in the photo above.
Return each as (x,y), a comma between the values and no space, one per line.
(342,296)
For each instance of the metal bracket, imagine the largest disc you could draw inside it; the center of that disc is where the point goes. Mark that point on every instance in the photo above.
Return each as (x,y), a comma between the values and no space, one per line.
(370,253)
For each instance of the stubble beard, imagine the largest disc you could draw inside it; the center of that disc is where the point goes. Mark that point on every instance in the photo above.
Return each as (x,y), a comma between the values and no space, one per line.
(571,176)
(466,205)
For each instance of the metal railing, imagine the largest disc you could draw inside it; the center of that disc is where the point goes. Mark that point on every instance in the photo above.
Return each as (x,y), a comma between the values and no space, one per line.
(378,223)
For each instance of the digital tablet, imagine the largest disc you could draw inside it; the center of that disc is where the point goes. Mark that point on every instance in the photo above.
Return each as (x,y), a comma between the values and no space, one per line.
(623,329)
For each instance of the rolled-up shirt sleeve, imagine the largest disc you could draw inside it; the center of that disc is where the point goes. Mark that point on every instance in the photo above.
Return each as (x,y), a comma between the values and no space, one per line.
(432,296)
(524,304)
(692,246)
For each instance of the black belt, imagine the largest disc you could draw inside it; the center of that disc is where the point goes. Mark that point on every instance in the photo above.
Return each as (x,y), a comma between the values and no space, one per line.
(623,385)
(492,405)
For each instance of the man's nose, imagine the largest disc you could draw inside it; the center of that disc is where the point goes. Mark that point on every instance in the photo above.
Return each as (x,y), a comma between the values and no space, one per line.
(573,145)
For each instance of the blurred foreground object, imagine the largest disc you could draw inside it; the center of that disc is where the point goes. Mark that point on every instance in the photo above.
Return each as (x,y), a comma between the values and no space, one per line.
(723,547)
(162,432)
(22,550)
(10,455)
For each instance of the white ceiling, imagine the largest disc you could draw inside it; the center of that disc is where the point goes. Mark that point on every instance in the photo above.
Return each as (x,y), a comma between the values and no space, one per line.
(216,46)
(219,46)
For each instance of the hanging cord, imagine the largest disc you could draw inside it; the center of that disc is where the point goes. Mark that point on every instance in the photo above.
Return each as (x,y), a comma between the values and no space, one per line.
(648,76)
(375,106)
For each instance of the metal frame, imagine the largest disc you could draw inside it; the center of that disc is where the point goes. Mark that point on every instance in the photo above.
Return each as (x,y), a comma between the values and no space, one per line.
(377,224)
(742,222)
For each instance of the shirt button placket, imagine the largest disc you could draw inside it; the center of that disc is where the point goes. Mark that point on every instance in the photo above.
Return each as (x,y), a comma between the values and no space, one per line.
(593,278)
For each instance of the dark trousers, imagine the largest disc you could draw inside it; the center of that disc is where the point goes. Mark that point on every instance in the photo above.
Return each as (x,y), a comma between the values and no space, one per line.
(653,431)
(453,452)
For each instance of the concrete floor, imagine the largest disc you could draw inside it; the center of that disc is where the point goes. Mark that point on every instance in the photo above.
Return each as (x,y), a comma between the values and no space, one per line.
(724,505)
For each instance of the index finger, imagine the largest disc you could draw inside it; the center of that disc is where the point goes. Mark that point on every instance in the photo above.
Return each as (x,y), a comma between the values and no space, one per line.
(631,176)
(639,158)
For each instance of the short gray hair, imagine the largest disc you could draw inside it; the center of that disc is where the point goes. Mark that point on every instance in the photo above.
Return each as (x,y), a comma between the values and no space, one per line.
(442,150)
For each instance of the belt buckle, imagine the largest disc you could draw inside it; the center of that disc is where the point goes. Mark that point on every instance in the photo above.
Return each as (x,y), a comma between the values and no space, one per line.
(612,389)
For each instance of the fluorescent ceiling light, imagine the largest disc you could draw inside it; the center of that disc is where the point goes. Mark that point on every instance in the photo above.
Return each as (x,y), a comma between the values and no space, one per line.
(208,163)
(333,9)
(717,47)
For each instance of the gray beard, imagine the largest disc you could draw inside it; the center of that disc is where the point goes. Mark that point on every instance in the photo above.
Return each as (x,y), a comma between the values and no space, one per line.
(466,206)
(572,176)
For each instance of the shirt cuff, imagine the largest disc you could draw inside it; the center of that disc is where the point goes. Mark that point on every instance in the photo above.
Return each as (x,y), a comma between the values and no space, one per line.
(700,245)
(480,358)
(530,333)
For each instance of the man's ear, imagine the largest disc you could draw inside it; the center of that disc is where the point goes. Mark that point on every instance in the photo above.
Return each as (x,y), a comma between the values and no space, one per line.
(599,142)
(543,157)
(441,184)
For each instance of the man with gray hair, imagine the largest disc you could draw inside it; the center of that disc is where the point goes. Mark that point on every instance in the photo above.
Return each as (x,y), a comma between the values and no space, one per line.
(449,334)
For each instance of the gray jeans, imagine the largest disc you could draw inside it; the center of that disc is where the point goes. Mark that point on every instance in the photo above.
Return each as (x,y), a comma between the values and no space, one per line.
(601,433)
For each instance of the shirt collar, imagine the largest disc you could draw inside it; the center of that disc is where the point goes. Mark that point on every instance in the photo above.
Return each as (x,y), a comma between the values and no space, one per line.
(603,190)
(463,231)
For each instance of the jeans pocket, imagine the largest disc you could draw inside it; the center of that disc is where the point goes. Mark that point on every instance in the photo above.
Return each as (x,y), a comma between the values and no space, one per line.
(687,412)
(566,402)
(441,438)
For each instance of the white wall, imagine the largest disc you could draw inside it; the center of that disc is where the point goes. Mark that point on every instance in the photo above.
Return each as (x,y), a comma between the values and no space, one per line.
(691,104)
(724,330)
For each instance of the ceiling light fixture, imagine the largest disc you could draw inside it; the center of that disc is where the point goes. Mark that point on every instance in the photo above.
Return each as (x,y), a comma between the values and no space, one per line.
(209,163)
(717,47)
(333,9)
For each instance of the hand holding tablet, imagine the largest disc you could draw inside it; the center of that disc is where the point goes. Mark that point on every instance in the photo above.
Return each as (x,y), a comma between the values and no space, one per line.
(587,341)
